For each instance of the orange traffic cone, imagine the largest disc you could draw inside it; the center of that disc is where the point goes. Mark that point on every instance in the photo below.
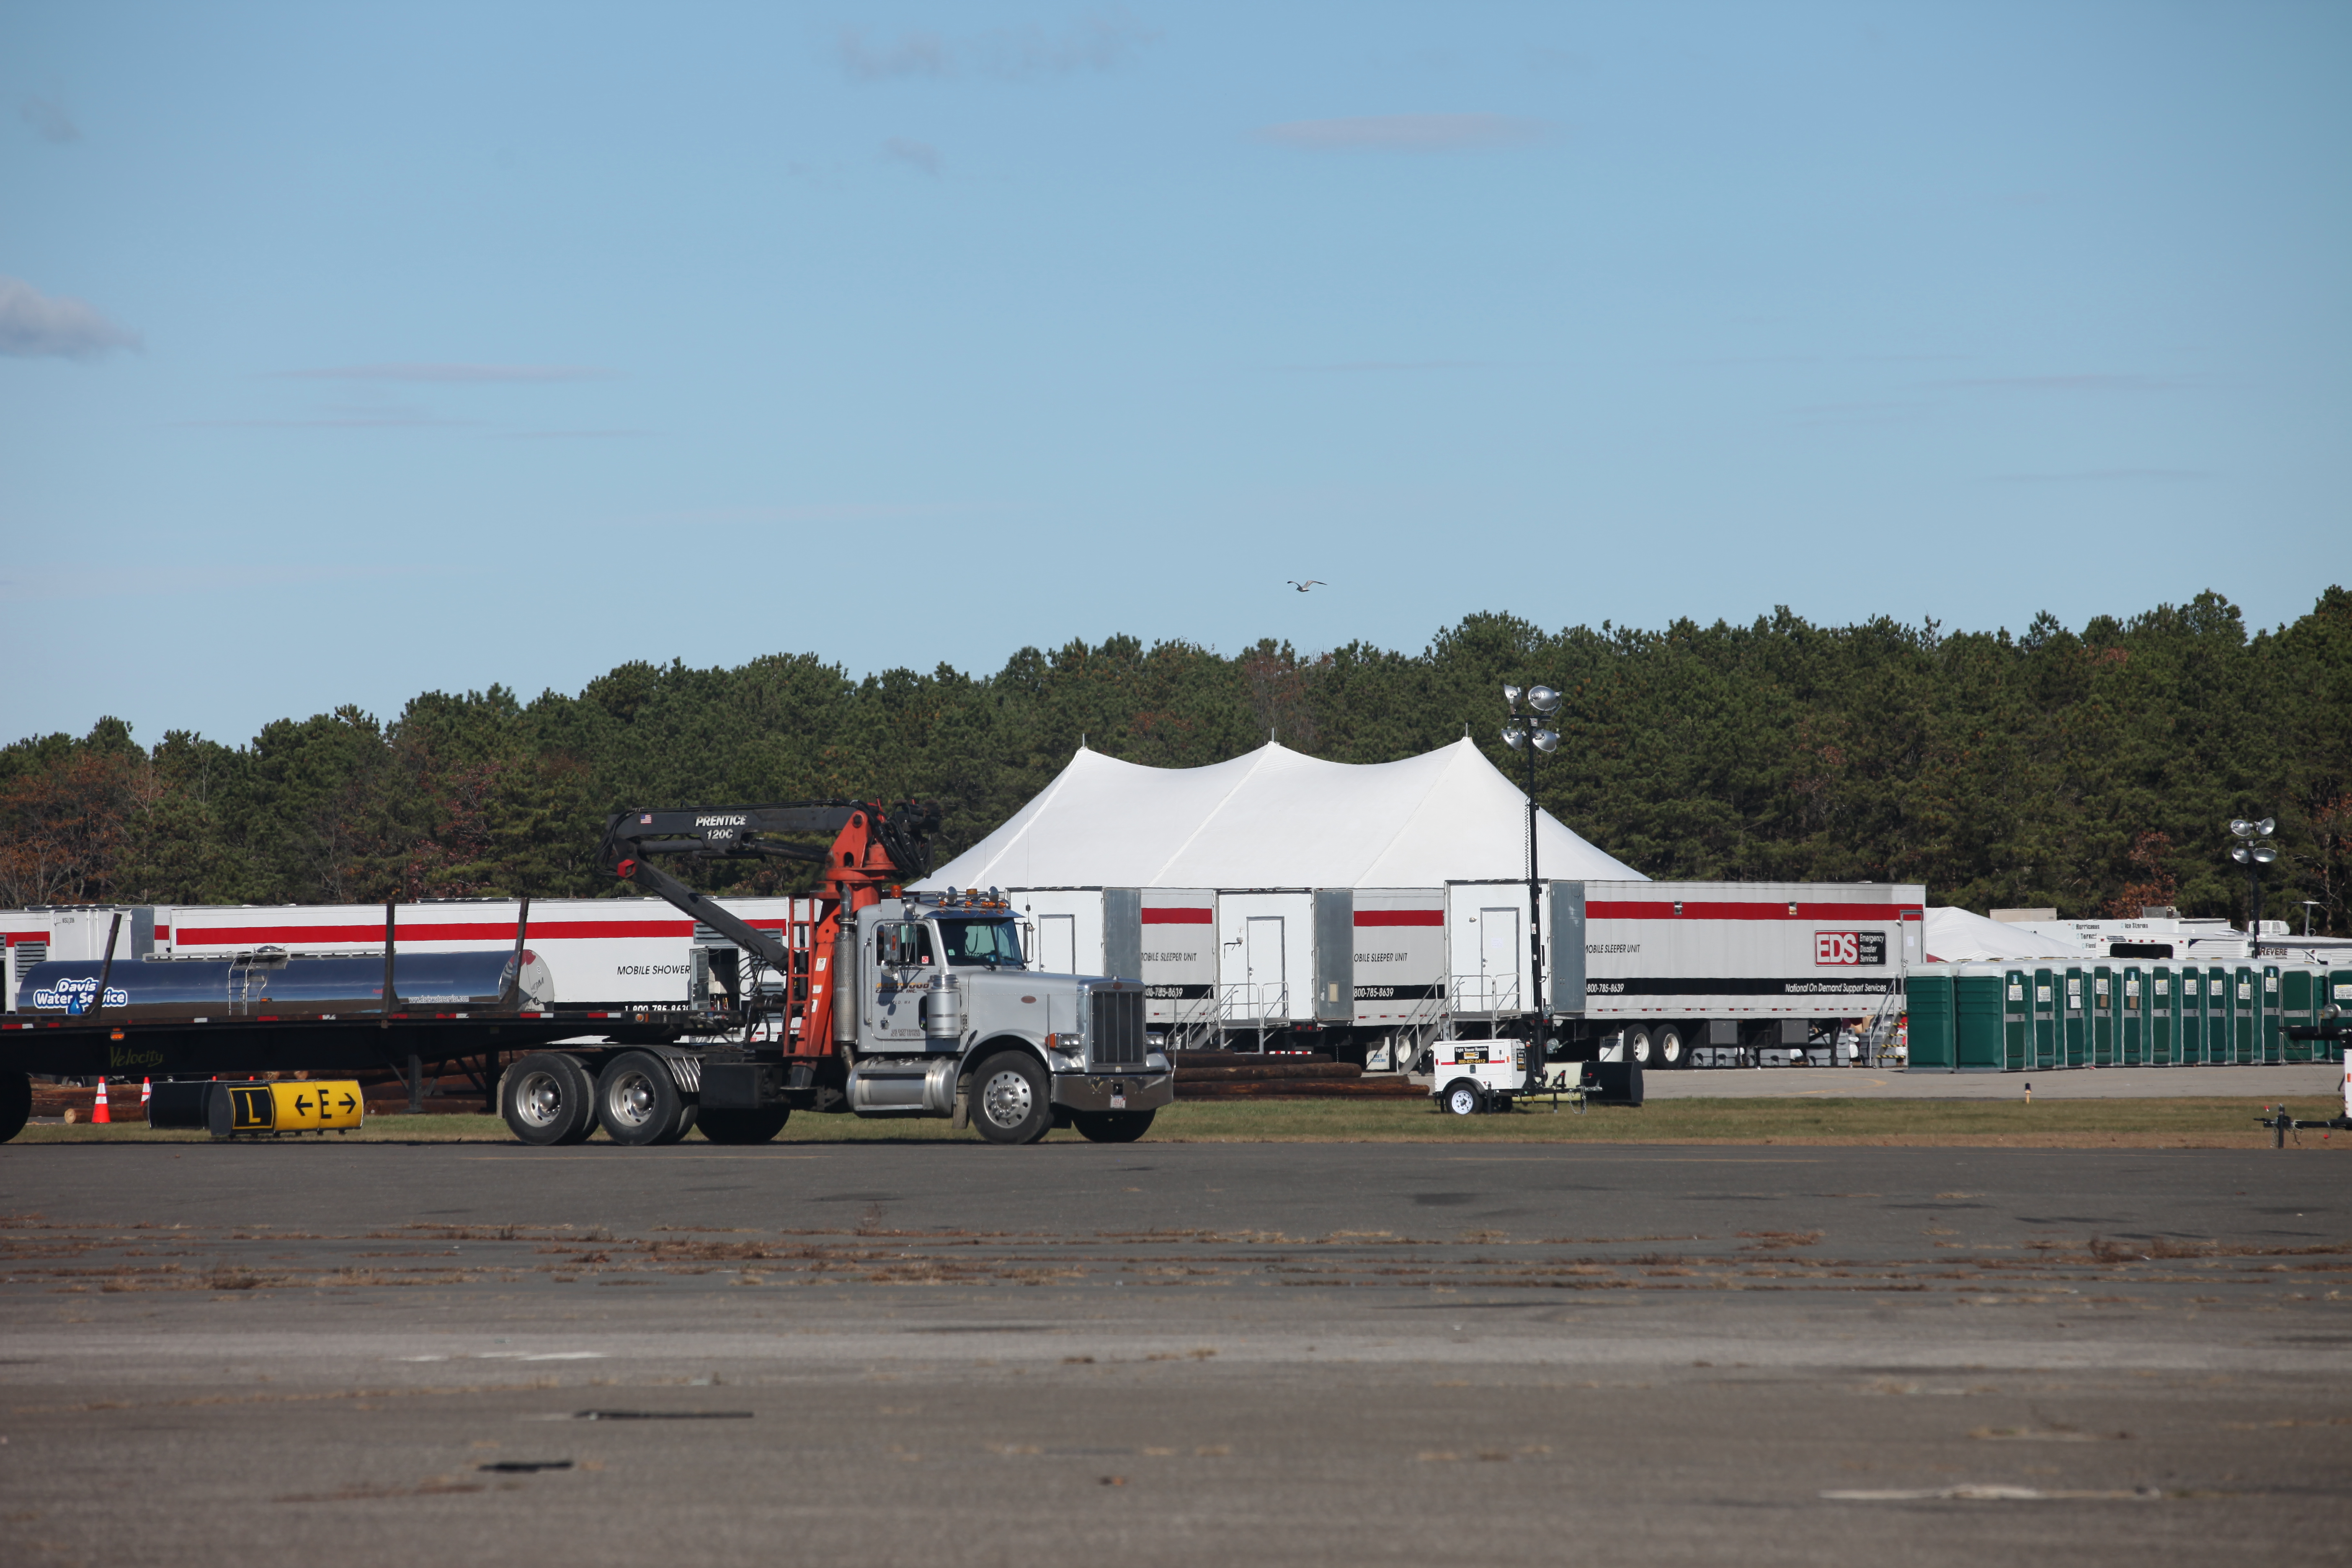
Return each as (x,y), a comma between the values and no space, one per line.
(99,1116)
(146,1092)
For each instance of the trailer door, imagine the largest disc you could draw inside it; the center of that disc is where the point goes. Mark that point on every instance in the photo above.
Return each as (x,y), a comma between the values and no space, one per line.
(1499,958)
(1057,944)
(1262,956)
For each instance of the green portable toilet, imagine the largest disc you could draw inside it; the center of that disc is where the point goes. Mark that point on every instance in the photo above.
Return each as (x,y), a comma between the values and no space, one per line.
(2221,1008)
(2269,1037)
(2045,1019)
(2131,1019)
(2163,1015)
(1979,1025)
(2244,1008)
(2189,1041)
(2298,986)
(2016,1022)
(1930,995)
(2102,1016)
(2074,1020)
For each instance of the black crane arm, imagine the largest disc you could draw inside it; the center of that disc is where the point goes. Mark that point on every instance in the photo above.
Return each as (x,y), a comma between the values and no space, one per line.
(767,949)
(739,831)
(736,830)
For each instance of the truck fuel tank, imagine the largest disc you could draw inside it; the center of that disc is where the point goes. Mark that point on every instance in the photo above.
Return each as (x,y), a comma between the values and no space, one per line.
(904,1086)
(944,1009)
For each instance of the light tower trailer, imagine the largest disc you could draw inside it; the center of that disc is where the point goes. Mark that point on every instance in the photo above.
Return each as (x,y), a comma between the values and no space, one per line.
(913,1004)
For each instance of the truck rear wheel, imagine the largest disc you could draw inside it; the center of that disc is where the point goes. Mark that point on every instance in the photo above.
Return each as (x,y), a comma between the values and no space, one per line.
(548,1097)
(1111,1126)
(16,1103)
(1009,1100)
(735,1125)
(1463,1099)
(638,1102)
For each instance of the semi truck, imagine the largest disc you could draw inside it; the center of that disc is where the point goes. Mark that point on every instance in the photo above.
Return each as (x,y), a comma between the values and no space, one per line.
(866,999)
(890,1003)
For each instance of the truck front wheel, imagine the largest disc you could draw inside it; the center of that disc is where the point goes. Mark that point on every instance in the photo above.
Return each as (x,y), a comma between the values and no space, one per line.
(548,1097)
(1008,1099)
(1111,1126)
(725,1125)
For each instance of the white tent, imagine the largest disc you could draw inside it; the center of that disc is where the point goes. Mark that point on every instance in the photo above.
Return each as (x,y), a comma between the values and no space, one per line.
(1274,819)
(1957,936)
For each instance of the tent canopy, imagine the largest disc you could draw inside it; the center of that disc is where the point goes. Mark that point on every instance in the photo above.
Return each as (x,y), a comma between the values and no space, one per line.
(1274,818)
(1957,936)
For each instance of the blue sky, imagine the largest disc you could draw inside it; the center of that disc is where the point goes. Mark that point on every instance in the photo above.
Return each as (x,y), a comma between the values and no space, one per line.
(350,350)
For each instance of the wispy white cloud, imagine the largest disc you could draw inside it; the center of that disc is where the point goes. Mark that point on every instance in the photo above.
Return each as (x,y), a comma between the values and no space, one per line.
(1101,42)
(452,374)
(28,582)
(49,120)
(1404,133)
(351,419)
(33,326)
(2105,476)
(1377,367)
(2096,382)
(919,154)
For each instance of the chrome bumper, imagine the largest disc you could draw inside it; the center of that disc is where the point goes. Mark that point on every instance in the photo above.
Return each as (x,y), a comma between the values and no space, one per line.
(1095,1092)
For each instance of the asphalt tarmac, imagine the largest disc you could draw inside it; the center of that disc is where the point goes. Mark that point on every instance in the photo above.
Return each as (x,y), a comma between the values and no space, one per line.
(953,1354)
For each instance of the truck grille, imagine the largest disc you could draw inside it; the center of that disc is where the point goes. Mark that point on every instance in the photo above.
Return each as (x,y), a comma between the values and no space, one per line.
(1114,1038)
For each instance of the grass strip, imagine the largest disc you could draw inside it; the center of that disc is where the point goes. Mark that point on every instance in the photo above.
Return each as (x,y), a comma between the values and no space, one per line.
(2169,1123)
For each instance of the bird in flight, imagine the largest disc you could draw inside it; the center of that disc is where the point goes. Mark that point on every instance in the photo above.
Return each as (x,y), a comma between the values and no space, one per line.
(1310,582)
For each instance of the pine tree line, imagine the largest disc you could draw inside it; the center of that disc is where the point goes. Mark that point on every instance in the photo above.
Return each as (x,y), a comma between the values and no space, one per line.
(2091,771)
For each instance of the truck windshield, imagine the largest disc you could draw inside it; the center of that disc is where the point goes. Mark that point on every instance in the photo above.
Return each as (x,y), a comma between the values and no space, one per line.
(996,943)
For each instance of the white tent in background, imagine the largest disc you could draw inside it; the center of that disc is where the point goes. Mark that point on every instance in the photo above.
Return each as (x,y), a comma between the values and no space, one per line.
(1274,819)
(1956,936)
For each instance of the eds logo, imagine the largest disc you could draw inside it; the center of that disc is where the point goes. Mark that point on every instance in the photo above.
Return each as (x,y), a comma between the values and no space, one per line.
(1850,949)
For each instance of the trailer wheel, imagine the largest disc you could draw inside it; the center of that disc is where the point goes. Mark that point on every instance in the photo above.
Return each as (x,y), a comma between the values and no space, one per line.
(16,1103)
(1641,1046)
(548,1097)
(638,1102)
(1670,1042)
(1111,1126)
(1008,1099)
(1463,1099)
(733,1125)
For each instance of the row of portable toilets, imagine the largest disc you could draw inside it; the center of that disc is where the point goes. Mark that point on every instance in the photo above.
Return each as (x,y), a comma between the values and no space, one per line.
(1968,1018)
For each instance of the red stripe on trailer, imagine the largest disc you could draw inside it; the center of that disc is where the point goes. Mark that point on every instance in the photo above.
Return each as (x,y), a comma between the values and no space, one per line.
(1399,917)
(1613,910)
(495,931)
(1168,917)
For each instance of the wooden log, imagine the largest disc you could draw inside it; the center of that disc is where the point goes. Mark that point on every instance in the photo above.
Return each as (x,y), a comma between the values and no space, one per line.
(1260,1072)
(1303,1089)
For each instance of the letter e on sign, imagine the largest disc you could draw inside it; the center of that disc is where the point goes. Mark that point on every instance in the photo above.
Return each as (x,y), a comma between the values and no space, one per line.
(1837,947)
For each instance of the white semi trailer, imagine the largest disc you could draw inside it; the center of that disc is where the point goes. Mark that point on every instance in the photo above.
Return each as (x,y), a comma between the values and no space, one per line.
(1669,975)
